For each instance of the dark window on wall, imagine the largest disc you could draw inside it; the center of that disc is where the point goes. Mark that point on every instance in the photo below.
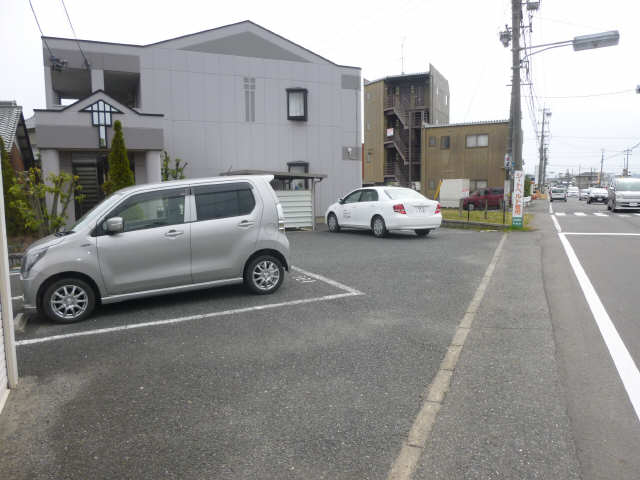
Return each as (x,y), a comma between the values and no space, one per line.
(101,113)
(249,99)
(297,104)
(433,141)
(223,200)
(445,141)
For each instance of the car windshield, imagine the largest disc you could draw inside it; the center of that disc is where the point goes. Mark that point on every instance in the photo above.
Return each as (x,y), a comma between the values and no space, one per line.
(558,190)
(96,211)
(398,193)
(628,185)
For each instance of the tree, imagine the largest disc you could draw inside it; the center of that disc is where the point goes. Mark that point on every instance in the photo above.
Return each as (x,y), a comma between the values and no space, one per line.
(120,174)
(11,213)
(30,193)
(169,173)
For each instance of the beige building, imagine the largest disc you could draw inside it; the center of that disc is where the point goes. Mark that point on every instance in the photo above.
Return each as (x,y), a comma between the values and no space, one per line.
(395,110)
(465,150)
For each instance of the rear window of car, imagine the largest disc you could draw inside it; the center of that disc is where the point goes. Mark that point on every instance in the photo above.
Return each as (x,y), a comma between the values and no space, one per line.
(398,193)
(628,185)
(557,190)
(223,200)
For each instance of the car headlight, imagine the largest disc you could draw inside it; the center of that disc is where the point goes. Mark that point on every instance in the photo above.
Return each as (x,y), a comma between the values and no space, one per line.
(31,259)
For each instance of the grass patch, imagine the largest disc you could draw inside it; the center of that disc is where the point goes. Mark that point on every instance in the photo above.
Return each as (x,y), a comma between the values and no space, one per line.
(493,216)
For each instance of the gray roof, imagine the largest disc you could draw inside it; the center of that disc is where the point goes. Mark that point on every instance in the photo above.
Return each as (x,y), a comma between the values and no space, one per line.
(10,114)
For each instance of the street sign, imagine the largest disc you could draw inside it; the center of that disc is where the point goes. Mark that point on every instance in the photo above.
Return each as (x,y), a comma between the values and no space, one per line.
(518,195)
(507,161)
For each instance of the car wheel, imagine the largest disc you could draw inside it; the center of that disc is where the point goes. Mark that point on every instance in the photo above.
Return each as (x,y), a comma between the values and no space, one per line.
(379,227)
(423,232)
(551,199)
(332,222)
(608,205)
(264,274)
(68,300)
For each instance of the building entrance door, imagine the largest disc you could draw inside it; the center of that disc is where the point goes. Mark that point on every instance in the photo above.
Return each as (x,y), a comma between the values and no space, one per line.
(91,170)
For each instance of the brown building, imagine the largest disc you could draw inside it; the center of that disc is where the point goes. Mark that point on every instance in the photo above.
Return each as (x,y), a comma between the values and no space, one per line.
(395,110)
(464,150)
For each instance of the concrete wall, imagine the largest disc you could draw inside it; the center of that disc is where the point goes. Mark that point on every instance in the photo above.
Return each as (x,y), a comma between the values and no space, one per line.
(440,99)
(458,161)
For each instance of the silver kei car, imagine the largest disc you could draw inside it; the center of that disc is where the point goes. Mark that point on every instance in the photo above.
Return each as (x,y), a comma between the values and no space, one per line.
(160,238)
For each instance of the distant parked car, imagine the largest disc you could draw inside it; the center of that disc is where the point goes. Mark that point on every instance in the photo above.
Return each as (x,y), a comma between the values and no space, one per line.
(558,193)
(597,195)
(491,196)
(384,209)
(583,194)
(572,191)
(624,194)
(158,239)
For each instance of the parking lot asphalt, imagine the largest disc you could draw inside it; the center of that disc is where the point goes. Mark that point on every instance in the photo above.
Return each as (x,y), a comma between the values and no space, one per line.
(327,389)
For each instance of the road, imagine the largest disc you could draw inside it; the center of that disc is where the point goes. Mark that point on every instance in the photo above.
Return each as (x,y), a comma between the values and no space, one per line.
(601,388)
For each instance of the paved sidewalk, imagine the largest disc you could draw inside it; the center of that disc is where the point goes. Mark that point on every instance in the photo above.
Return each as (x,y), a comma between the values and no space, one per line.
(505,416)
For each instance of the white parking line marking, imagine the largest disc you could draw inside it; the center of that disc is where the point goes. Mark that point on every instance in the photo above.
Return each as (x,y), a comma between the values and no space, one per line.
(580,214)
(604,233)
(405,464)
(600,214)
(560,214)
(350,292)
(627,369)
(550,208)
(19,297)
(637,214)
(556,224)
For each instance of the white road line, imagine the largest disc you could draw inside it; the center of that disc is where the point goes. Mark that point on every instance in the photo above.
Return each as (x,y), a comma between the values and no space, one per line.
(555,223)
(405,463)
(19,297)
(580,214)
(600,214)
(550,208)
(637,214)
(339,285)
(350,292)
(560,214)
(625,365)
(605,234)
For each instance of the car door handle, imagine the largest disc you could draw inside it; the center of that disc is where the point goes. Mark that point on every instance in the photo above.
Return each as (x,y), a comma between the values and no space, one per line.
(174,233)
(246,223)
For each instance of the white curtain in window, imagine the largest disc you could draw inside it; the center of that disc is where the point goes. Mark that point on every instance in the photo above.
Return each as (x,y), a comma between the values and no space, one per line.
(296,104)
(483,140)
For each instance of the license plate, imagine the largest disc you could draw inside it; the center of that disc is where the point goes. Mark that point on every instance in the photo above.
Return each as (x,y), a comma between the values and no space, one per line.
(633,204)
(420,209)
(600,199)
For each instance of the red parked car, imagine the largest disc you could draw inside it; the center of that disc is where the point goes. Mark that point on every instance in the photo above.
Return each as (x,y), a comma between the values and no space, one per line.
(492,196)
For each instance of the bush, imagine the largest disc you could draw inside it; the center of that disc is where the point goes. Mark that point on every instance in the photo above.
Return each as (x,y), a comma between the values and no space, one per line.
(12,216)
(168,173)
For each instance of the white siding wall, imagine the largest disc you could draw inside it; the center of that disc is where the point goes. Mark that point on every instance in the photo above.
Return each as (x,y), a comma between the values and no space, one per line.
(3,367)
(298,208)
(202,98)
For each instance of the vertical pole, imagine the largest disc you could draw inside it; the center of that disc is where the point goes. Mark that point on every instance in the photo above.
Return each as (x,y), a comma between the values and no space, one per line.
(5,298)
(541,167)
(410,159)
(601,164)
(516,134)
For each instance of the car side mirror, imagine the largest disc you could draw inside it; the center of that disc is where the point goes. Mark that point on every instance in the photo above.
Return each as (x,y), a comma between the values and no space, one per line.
(341,201)
(115,225)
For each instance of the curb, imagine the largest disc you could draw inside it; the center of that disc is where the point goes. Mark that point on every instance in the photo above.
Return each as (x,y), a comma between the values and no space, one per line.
(464,224)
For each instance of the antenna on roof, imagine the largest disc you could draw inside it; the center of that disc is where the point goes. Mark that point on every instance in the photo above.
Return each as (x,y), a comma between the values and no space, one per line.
(402,55)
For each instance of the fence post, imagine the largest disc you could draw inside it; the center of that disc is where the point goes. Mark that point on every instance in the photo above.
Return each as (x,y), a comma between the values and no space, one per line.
(486,206)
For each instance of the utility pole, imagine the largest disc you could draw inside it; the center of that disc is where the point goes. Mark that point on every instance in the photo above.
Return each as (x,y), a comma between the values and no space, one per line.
(542,166)
(625,170)
(516,128)
(601,164)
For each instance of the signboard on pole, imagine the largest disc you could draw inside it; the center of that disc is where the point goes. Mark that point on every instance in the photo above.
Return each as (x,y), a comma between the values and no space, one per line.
(518,195)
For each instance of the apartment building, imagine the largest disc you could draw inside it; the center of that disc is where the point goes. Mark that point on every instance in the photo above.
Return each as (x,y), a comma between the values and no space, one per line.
(238,97)
(395,110)
(464,150)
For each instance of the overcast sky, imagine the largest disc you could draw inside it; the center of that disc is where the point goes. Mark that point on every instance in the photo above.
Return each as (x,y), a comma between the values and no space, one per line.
(460,38)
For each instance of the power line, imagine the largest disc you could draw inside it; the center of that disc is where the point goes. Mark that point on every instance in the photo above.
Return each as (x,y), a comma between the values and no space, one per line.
(40,28)
(620,92)
(86,61)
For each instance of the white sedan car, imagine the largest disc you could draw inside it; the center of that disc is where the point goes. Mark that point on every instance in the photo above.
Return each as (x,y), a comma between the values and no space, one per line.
(384,209)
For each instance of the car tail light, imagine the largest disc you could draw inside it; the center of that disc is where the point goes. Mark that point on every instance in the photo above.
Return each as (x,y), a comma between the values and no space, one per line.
(280,211)
(437,209)
(399,208)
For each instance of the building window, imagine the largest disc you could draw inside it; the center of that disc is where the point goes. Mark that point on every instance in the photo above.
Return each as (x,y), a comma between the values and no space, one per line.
(477,184)
(249,99)
(369,157)
(474,141)
(297,104)
(368,125)
(445,141)
(101,117)
(446,99)
(433,141)
(298,183)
